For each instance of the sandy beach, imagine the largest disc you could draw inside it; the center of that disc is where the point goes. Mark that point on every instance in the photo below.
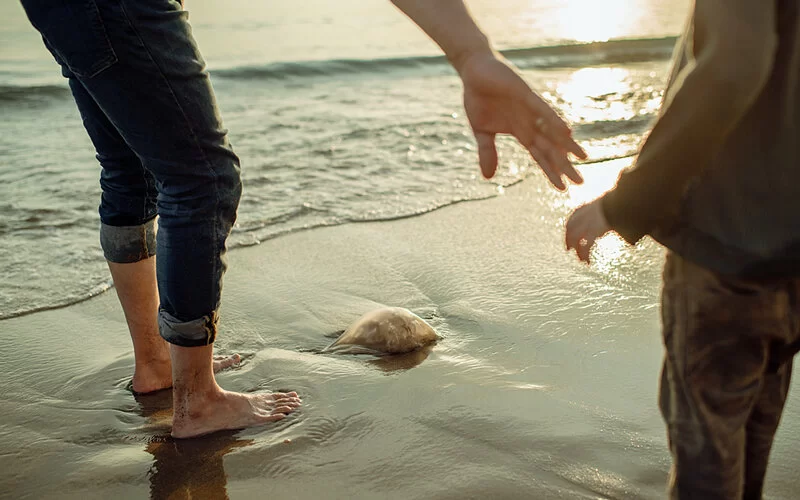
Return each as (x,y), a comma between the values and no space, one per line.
(361,190)
(537,390)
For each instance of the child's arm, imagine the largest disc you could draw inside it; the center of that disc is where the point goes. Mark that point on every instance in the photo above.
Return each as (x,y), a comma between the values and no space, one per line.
(734,46)
(496,99)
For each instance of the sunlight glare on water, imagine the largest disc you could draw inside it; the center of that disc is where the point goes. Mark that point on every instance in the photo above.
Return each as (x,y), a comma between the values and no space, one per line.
(593,21)
(604,97)
(596,95)
(584,90)
(610,250)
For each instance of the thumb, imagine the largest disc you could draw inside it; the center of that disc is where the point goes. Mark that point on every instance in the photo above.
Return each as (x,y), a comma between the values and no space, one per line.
(572,233)
(487,153)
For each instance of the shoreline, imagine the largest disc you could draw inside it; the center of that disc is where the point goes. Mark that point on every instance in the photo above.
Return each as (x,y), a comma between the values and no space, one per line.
(544,382)
(103,288)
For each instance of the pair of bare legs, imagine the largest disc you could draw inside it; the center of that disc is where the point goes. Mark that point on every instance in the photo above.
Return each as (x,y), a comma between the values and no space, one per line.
(200,406)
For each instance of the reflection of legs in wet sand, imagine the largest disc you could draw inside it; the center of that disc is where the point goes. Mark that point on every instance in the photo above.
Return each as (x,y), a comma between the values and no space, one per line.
(191,469)
(186,468)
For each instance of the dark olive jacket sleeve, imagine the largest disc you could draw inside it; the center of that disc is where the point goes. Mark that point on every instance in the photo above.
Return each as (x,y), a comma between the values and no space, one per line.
(730,48)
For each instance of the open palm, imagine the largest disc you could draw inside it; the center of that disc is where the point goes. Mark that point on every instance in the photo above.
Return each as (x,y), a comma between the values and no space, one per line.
(498,101)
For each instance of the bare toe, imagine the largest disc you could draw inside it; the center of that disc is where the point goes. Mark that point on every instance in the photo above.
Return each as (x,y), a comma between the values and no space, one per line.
(272,418)
(224,362)
(282,409)
(230,410)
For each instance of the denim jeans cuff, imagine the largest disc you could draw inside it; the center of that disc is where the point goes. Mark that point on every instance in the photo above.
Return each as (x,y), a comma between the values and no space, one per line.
(128,244)
(194,333)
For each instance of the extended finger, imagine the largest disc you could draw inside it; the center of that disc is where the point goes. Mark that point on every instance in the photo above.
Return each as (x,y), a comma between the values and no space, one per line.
(550,170)
(554,127)
(529,137)
(558,159)
(487,153)
(568,145)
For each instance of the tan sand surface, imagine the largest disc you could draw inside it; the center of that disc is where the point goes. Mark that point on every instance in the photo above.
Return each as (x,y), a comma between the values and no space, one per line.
(543,386)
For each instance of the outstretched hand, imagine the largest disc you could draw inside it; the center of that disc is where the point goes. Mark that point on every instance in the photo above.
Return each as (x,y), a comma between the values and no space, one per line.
(498,101)
(585,226)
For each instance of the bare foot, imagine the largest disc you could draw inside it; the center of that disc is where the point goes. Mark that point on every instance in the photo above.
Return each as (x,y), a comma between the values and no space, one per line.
(223,410)
(152,376)
(157,375)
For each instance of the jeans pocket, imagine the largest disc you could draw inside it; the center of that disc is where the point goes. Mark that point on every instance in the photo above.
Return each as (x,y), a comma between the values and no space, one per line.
(74,33)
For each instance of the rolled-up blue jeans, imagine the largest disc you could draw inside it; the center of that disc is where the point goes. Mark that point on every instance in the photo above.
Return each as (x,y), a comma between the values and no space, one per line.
(147,103)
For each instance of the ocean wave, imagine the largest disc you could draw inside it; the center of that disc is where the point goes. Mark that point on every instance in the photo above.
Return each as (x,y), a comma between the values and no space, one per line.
(613,51)
(571,55)
(261,232)
(611,128)
(258,233)
(297,219)
(14,93)
(58,304)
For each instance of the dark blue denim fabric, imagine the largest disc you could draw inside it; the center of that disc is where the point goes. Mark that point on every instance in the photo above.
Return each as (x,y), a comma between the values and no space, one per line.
(147,103)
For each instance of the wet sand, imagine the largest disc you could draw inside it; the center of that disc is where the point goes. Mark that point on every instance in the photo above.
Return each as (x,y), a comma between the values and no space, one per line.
(543,386)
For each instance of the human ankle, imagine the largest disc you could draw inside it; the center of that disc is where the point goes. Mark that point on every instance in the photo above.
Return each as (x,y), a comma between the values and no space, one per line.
(154,363)
(149,347)
(195,403)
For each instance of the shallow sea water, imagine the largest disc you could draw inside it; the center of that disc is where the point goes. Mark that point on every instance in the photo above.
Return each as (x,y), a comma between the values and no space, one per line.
(544,383)
(339,112)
